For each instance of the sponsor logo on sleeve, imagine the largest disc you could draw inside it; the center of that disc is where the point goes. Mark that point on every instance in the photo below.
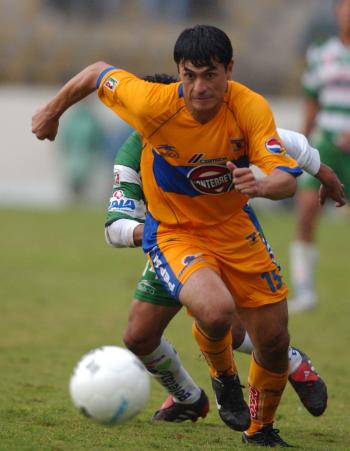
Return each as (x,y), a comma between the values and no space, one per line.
(273,145)
(111,83)
(118,194)
(121,204)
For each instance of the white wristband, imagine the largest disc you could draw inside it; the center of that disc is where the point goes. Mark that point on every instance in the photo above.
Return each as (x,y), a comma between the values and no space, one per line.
(121,233)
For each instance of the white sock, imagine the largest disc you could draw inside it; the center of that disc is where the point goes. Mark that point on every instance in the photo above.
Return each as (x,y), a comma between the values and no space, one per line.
(165,366)
(295,359)
(294,356)
(246,346)
(303,259)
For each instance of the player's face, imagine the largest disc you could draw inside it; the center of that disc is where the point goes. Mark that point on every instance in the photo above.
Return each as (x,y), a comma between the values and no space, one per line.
(204,88)
(343,16)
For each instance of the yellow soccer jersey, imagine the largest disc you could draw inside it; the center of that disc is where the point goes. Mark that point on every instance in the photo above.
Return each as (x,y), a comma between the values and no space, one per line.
(184,176)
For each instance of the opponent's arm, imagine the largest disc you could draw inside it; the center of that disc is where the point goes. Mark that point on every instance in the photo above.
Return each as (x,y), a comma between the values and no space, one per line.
(298,147)
(126,210)
(277,185)
(331,186)
(308,158)
(45,120)
(124,233)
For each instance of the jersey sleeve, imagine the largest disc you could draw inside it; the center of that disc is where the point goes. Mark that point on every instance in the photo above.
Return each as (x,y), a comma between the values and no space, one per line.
(127,201)
(141,104)
(298,147)
(265,149)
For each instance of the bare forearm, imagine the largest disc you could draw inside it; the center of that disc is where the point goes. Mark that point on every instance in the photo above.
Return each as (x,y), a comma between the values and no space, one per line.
(278,185)
(331,187)
(76,89)
(138,232)
(45,121)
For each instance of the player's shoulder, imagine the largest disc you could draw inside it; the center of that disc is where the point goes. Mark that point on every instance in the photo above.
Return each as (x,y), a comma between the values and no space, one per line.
(242,99)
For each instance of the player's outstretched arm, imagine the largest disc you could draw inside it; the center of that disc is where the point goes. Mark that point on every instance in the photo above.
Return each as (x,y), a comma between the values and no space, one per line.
(277,185)
(45,120)
(331,187)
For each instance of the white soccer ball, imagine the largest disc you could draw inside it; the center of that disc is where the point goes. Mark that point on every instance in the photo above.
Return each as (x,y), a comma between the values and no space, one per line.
(110,385)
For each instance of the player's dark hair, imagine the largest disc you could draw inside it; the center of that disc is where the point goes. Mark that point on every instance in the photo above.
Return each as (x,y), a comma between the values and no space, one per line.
(160,78)
(202,45)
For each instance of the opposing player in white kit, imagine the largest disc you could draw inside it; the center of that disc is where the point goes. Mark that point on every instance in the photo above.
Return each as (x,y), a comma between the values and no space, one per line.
(326,84)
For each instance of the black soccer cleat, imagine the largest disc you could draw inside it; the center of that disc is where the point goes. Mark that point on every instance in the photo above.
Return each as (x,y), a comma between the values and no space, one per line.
(233,410)
(267,436)
(178,412)
(310,388)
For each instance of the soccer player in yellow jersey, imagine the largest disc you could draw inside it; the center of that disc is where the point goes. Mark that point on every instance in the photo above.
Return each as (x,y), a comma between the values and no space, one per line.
(204,241)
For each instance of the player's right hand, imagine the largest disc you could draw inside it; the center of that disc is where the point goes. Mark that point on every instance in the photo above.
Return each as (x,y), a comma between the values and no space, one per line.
(44,124)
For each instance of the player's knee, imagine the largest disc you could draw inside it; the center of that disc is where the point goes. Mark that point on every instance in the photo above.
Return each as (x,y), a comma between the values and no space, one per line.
(140,341)
(217,318)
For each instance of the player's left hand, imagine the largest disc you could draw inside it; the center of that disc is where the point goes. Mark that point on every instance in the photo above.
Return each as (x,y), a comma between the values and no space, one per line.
(331,187)
(244,180)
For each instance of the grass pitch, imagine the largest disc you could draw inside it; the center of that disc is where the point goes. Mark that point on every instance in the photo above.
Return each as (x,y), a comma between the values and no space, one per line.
(63,291)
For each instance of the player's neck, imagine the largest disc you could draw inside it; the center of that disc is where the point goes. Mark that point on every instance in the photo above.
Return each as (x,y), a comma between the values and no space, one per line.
(204,116)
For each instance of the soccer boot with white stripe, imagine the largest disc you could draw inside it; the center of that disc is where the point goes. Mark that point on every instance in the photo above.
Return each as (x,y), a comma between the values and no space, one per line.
(310,388)
(178,412)
(267,436)
(233,410)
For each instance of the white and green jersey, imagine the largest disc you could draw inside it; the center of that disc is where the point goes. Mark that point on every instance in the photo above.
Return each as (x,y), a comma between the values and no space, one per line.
(327,80)
(127,200)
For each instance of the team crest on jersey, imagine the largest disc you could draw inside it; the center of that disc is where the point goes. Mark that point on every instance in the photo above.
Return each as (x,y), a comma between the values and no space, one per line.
(111,83)
(273,145)
(210,179)
(166,150)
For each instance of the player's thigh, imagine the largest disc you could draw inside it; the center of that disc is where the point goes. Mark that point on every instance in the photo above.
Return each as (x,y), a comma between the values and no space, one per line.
(189,271)
(251,272)
(147,322)
(208,298)
(151,309)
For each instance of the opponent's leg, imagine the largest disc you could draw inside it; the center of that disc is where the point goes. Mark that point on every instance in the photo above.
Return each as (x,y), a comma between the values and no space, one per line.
(307,383)
(143,336)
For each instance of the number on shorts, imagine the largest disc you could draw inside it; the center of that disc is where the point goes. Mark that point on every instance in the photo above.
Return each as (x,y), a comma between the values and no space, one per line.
(274,282)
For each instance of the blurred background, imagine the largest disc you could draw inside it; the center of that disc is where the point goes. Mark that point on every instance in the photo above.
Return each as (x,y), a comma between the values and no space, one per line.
(63,291)
(44,42)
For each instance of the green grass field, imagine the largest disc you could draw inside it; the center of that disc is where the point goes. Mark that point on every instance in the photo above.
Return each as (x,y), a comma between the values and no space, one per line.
(63,291)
